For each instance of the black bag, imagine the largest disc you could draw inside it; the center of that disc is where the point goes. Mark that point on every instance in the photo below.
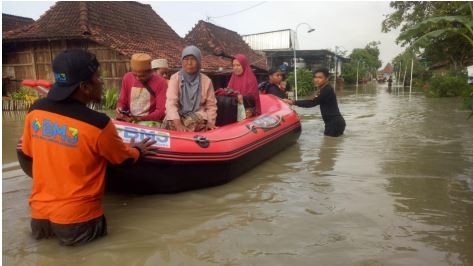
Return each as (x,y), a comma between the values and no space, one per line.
(227,110)
(249,102)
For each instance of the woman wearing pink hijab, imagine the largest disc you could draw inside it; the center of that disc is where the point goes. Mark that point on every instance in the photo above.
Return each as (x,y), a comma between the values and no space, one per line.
(244,81)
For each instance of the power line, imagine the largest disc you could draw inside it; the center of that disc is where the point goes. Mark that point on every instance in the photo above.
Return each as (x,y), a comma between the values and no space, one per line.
(237,12)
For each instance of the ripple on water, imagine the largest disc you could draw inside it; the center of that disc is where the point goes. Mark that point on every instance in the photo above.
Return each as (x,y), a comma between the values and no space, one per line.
(396,189)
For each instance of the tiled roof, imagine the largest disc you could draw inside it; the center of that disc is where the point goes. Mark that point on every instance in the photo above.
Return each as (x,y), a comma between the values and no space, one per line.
(217,40)
(439,65)
(388,68)
(127,27)
(11,22)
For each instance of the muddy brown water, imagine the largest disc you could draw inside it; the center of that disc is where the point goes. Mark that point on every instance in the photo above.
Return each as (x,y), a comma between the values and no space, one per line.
(396,189)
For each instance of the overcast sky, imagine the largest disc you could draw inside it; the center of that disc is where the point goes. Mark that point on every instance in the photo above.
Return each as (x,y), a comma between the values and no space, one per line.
(345,24)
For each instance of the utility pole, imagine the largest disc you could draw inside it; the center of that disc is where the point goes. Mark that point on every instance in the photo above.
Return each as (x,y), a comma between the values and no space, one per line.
(335,79)
(410,85)
(357,66)
(399,73)
(404,79)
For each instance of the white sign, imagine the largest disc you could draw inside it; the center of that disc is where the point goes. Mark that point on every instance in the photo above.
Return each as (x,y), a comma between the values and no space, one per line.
(470,75)
(163,139)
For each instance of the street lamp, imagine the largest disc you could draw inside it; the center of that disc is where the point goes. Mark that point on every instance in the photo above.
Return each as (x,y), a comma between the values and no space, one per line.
(336,65)
(294,48)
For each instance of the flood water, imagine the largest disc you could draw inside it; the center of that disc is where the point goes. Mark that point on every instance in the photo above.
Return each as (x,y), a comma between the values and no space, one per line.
(396,189)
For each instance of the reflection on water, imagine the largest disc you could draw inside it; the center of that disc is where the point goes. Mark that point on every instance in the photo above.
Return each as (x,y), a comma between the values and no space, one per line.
(431,180)
(12,128)
(396,189)
(327,155)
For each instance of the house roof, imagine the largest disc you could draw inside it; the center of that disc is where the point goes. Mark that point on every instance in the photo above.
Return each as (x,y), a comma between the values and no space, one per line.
(220,41)
(304,53)
(388,68)
(439,65)
(11,22)
(125,26)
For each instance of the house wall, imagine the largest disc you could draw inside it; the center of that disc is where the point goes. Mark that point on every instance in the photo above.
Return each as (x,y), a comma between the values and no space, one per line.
(311,63)
(32,60)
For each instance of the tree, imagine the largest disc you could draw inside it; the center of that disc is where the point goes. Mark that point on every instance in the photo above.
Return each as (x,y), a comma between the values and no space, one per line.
(404,60)
(366,60)
(305,83)
(439,31)
(409,13)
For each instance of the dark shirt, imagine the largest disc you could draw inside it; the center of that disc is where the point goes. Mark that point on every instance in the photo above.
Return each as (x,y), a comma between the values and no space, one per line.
(328,103)
(273,89)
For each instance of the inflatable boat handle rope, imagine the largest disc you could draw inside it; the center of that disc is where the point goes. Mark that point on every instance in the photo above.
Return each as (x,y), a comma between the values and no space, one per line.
(251,128)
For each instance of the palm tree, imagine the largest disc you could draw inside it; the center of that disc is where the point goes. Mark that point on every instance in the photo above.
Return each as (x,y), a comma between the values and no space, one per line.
(440,26)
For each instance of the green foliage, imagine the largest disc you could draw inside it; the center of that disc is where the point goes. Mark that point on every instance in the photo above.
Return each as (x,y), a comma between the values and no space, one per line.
(305,83)
(409,13)
(436,27)
(349,71)
(447,86)
(340,51)
(404,60)
(109,99)
(443,30)
(366,60)
(438,32)
(24,94)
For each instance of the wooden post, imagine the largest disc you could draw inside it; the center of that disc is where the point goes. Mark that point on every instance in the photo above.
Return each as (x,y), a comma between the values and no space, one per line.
(33,62)
(51,58)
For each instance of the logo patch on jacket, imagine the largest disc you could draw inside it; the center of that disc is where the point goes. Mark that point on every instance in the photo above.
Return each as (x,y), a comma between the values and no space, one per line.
(54,132)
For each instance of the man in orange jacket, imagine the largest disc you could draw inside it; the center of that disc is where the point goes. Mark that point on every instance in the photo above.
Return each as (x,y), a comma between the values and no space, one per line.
(70,145)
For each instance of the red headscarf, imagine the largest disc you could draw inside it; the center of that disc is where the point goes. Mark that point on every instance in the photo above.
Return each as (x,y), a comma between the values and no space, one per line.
(246,83)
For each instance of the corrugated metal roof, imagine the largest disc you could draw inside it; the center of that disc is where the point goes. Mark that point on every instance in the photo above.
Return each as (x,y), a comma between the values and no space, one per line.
(273,40)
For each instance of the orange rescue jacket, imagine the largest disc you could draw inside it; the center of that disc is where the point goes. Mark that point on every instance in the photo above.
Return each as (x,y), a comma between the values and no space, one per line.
(70,145)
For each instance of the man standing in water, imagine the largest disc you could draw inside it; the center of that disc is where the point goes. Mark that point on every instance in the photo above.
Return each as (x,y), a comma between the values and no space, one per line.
(325,96)
(70,145)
